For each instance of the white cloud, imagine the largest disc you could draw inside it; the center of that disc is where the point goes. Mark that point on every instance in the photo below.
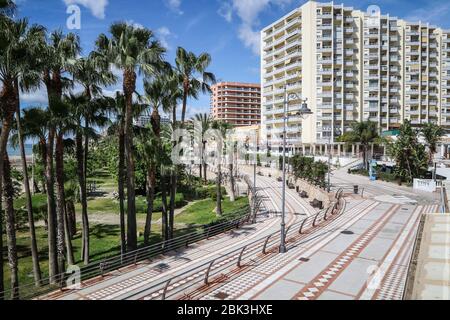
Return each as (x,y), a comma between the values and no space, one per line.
(38,96)
(248,11)
(135,24)
(97,7)
(174,5)
(164,34)
(226,11)
(435,13)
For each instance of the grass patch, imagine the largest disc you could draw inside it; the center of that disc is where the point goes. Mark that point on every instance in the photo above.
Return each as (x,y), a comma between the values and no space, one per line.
(203,212)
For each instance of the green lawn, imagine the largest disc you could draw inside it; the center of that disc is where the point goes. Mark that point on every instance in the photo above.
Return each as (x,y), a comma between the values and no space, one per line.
(203,212)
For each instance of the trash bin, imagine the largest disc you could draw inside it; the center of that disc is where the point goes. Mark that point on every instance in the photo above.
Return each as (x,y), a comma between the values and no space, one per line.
(356,189)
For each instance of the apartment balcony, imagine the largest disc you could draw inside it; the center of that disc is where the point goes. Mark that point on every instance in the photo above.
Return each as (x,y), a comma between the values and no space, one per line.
(349,52)
(327,94)
(325,49)
(325,71)
(349,74)
(349,41)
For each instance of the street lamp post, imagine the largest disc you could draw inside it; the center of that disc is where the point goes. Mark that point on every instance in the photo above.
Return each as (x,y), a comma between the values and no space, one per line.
(330,158)
(304,111)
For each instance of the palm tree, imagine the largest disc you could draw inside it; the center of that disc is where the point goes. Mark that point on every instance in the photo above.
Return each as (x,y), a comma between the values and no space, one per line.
(18,42)
(222,129)
(193,76)
(91,73)
(8,198)
(132,50)
(116,110)
(59,52)
(204,121)
(432,134)
(364,133)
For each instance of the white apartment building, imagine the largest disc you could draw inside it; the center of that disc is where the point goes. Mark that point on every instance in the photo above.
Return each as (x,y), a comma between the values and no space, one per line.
(351,65)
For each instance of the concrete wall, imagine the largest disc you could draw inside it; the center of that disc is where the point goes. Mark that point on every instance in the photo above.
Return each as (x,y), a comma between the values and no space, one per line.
(312,191)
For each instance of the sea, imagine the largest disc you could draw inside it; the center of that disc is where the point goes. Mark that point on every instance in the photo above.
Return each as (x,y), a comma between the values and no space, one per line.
(16,152)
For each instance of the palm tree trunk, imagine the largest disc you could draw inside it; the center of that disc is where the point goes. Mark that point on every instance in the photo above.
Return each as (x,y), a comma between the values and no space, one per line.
(2,285)
(83,196)
(71,218)
(8,106)
(129,89)
(51,211)
(60,205)
(219,190)
(68,237)
(151,184)
(29,203)
(121,183)
(8,196)
(165,225)
(232,183)
(173,192)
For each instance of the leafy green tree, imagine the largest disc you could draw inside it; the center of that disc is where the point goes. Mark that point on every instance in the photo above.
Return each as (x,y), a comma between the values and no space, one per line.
(432,134)
(410,156)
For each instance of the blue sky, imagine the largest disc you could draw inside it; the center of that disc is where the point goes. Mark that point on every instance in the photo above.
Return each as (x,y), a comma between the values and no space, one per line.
(227,29)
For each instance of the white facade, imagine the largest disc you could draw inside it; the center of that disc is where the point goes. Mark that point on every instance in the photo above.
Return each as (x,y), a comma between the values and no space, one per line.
(351,66)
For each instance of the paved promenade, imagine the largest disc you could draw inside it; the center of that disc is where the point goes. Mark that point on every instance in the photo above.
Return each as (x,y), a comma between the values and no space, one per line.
(363,253)
(130,283)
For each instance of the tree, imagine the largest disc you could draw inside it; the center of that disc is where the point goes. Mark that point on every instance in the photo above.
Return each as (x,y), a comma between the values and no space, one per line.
(432,134)
(220,137)
(161,92)
(8,198)
(205,122)
(132,50)
(23,42)
(58,54)
(364,133)
(410,156)
(92,73)
(193,76)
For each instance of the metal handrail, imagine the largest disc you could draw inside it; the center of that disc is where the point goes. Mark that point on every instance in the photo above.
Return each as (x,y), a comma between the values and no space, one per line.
(101,267)
(256,248)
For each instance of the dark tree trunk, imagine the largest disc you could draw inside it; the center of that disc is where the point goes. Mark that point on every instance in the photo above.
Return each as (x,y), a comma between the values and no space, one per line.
(151,184)
(200,170)
(121,183)
(8,198)
(232,183)
(129,88)
(71,218)
(29,203)
(8,107)
(219,190)
(173,192)
(2,285)
(165,221)
(83,196)
(85,238)
(51,209)
(205,174)
(61,207)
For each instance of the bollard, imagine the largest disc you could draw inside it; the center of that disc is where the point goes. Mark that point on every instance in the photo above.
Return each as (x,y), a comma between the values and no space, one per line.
(356,189)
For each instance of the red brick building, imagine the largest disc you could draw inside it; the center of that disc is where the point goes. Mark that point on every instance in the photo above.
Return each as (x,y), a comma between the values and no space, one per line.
(236,103)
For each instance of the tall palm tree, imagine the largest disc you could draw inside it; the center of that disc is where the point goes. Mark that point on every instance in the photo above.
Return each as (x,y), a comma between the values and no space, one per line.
(132,50)
(193,76)
(116,110)
(432,134)
(364,133)
(222,130)
(10,226)
(57,57)
(91,74)
(204,122)
(17,71)
(161,93)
